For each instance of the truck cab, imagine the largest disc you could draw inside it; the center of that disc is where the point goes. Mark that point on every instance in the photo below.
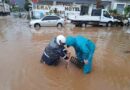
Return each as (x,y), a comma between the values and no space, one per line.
(105,17)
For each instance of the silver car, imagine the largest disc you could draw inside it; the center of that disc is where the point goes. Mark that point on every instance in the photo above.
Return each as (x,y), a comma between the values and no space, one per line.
(129,20)
(47,21)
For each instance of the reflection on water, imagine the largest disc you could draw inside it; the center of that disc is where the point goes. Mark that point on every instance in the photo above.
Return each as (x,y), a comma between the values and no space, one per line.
(21,49)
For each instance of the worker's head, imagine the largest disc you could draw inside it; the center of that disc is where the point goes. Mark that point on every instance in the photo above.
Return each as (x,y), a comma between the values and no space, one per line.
(60,39)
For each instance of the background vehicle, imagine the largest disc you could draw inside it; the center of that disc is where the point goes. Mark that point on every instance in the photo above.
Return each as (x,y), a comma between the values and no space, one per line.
(4,9)
(47,21)
(37,14)
(125,21)
(118,20)
(121,20)
(129,20)
(97,17)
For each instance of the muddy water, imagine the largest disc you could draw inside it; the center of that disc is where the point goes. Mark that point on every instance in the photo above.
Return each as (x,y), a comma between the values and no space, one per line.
(21,49)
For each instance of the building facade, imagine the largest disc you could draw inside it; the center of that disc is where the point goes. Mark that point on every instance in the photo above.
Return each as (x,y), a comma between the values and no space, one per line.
(77,7)
(65,7)
(120,5)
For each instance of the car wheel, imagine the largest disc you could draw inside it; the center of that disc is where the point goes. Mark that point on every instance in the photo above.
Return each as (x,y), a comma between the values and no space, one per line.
(59,25)
(109,24)
(37,26)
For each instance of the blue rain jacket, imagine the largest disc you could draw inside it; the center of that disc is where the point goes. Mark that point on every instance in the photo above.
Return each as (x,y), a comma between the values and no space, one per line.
(84,49)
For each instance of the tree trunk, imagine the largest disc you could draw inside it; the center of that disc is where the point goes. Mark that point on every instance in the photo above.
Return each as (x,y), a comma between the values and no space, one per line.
(98,3)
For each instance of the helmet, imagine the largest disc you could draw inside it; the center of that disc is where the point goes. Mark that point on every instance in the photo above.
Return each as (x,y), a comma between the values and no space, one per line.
(60,39)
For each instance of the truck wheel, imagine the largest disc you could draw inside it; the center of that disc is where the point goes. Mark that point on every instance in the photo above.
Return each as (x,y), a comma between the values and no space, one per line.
(37,26)
(78,25)
(121,24)
(83,25)
(109,24)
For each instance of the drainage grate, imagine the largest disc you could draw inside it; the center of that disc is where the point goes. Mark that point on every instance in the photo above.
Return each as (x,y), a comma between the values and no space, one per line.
(127,52)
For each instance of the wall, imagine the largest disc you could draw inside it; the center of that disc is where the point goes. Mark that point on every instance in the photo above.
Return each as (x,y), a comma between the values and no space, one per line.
(115,2)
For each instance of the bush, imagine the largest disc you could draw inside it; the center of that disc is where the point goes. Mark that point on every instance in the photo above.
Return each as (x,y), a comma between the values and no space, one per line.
(113,12)
(127,10)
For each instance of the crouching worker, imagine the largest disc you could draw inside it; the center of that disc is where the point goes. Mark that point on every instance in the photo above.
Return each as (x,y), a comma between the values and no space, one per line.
(84,49)
(54,51)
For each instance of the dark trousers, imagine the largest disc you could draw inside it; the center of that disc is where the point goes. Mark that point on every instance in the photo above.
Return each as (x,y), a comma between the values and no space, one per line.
(48,61)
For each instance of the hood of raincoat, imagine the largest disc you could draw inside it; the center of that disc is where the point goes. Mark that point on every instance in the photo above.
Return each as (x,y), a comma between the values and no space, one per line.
(70,41)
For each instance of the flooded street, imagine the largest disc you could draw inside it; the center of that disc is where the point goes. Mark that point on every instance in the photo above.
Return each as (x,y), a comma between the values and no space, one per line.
(21,48)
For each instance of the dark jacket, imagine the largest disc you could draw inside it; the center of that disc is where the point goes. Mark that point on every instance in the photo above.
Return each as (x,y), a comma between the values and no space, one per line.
(54,51)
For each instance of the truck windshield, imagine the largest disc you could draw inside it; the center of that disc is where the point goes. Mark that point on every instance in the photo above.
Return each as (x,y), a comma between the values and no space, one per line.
(106,14)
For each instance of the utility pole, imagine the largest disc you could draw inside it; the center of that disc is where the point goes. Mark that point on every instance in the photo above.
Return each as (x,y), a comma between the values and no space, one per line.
(3,1)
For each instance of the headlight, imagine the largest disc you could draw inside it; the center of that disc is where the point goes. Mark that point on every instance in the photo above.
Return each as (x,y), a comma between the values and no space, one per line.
(31,22)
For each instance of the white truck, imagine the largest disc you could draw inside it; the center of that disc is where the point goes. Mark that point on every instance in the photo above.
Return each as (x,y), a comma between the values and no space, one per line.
(4,9)
(97,17)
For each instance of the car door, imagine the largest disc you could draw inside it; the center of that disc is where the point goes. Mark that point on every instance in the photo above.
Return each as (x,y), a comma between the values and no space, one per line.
(46,21)
(54,20)
(105,17)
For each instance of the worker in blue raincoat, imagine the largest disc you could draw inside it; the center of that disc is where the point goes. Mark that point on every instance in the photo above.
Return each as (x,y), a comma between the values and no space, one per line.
(84,49)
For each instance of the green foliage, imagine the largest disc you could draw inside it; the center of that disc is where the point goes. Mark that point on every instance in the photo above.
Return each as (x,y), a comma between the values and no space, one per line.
(114,11)
(127,10)
(26,5)
(55,11)
(15,9)
(98,3)
(50,12)
(6,1)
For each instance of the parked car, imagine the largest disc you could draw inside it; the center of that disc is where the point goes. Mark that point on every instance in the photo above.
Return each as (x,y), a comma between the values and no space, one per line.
(47,21)
(129,20)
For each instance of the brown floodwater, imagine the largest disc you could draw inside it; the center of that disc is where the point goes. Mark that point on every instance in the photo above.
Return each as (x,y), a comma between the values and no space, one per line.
(21,48)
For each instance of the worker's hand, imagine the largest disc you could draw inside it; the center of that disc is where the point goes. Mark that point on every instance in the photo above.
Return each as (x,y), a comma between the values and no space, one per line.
(68,60)
(68,54)
(85,61)
(67,63)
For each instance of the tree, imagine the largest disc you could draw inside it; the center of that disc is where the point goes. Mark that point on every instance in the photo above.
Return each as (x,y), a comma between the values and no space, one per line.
(113,12)
(55,11)
(98,3)
(27,8)
(27,5)
(127,10)
(6,1)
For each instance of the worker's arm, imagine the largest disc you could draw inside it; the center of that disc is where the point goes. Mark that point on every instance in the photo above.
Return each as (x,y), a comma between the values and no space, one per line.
(85,54)
(63,53)
(92,49)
